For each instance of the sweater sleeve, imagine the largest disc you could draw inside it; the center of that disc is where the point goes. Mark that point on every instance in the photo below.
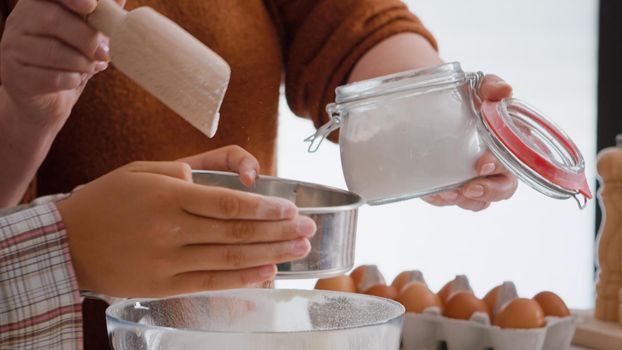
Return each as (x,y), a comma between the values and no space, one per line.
(39,296)
(324,39)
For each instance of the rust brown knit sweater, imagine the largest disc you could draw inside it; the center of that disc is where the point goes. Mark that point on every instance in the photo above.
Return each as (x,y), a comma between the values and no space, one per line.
(314,44)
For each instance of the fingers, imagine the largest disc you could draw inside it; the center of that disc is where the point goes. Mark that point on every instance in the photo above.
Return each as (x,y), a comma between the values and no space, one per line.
(176,170)
(494,184)
(454,197)
(494,88)
(227,204)
(443,199)
(67,27)
(470,204)
(477,195)
(211,280)
(42,80)
(83,7)
(230,158)
(234,257)
(53,52)
(491,189)
(198,230)
(488,165)
(54,55)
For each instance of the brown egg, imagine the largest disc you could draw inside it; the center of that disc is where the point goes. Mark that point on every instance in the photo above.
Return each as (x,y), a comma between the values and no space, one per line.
(520,313)
(444,292)
(461,305)
(357,274)
(491,297)
(405,278)
(382,290)
(339,284)
(366,276)
(552,304)
(416,297)
(460,283)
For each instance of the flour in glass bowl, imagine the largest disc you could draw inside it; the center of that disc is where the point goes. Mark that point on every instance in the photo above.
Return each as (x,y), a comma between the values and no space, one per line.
(270,320)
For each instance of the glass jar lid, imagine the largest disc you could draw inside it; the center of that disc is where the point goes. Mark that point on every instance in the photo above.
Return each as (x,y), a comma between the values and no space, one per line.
(534,149)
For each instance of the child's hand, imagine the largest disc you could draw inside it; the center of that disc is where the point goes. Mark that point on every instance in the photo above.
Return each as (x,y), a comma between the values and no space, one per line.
(48,55)
(496,183)
(146,230)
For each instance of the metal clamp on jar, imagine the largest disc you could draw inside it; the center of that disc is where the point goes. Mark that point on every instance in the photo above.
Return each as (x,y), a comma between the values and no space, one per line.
(420,132)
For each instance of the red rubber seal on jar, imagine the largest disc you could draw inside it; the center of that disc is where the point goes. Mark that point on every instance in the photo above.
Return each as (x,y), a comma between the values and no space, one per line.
(534,160)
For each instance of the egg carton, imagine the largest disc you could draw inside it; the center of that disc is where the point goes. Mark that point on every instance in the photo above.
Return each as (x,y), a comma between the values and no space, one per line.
(431,331)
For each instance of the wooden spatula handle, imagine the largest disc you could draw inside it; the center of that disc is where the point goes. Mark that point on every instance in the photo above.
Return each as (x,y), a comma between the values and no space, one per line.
(106,16)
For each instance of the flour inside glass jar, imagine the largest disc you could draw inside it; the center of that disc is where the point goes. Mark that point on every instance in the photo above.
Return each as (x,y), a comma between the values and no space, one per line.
(434,144)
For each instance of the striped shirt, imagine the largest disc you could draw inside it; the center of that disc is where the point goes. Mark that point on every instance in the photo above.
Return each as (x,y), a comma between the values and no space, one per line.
(40,304)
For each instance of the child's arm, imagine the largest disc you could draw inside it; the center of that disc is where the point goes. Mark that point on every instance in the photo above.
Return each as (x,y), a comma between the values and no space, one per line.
(39,295)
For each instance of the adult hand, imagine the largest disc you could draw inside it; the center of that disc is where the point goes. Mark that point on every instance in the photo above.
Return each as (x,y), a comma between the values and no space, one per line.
(495,182)
(48,55)
(146,230)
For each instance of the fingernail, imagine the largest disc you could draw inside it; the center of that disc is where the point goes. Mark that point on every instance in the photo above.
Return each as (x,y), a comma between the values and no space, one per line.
(101,66)
(252,174)
(88,5)
(474,191)
(266,271)
(103,52)
(287,209)
(449,195)
(300,247)
(487,169)
(501,83)
(305,226)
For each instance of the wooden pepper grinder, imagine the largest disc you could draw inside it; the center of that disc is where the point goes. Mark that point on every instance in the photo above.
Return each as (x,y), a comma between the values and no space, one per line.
(609,285)
(601,328)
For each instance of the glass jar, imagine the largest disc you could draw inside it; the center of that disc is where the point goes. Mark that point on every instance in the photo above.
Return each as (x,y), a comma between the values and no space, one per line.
(420,132)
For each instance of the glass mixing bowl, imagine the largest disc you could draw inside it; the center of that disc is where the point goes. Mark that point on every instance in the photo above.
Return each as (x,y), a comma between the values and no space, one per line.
(259,319)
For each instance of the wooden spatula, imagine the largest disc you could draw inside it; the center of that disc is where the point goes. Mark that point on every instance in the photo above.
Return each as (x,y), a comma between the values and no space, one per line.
(165,60)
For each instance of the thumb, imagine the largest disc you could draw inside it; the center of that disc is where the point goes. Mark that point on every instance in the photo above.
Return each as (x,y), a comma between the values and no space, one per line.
(494,88)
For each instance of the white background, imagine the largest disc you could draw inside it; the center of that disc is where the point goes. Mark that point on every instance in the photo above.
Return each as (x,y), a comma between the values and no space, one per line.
(547,51)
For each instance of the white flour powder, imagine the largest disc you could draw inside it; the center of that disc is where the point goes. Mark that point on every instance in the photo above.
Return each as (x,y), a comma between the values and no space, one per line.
(410,145)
